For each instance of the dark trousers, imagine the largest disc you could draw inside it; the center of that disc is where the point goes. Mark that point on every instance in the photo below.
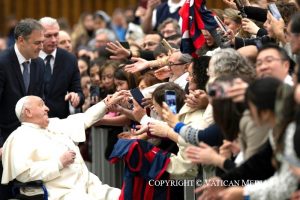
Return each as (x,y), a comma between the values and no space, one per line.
(5,190)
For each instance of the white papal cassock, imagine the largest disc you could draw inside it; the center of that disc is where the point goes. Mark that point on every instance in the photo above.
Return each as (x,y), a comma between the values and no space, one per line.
(33,153)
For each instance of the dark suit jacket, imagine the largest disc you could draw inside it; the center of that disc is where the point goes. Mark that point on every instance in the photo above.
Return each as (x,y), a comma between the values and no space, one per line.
(12,88)
(65,78)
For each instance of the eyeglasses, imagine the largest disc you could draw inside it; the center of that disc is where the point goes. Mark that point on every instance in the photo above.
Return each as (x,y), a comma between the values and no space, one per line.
(267,60)
(149,44)
(175,64)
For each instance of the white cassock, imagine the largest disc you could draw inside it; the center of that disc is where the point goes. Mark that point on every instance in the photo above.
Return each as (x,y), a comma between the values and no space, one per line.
(33,153)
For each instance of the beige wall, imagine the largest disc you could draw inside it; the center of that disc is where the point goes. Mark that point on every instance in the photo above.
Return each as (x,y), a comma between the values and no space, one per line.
(69,9)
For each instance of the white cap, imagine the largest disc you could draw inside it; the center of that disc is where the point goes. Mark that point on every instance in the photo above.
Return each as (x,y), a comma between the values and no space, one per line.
(19,107)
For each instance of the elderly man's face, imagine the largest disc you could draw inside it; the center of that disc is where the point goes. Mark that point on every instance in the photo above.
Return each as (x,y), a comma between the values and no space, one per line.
(37,112)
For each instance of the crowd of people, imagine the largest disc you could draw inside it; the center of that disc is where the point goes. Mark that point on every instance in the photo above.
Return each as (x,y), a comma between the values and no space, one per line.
(226,115)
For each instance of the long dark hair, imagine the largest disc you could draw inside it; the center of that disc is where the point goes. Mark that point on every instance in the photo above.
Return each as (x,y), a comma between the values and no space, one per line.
(285,111)
(226,113)
(130,78)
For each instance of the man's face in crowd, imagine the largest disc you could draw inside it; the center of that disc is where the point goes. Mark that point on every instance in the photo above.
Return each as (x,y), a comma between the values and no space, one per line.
(64,41)
(151,41)
(270,63)
(168,30)
(51,38)
(31,45)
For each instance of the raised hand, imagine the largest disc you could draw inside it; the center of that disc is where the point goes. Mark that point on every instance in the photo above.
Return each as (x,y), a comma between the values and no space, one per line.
(118,51)
(139,65)
(73,98)
(115,98)
(168,116)
(237,91)
(197,99)
(249,26)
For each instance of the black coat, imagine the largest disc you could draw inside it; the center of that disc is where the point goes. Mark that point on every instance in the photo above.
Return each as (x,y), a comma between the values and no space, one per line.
(12,88)
(65,78)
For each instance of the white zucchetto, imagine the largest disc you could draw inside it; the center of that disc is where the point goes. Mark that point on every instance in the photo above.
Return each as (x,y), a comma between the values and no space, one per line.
(19,107)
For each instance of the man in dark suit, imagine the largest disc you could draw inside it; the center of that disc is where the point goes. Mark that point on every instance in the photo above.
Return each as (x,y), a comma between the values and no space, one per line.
(62,77)
(21,74)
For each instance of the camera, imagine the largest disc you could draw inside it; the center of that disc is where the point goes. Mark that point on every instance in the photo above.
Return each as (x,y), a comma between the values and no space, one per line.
(218,89)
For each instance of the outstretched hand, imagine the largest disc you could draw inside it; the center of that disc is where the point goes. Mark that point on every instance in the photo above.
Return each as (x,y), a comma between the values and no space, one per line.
(197,99)
(118,51)
(159,129)
(139,65)
(211,189)
(115,98)
(163,73)
(204,154)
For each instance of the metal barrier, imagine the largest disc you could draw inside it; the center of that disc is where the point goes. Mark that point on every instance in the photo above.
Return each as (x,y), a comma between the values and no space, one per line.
(111,174)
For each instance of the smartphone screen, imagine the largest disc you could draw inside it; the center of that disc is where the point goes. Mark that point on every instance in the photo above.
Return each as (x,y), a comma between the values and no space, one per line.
(125,45)
(170,99)
(221,24)
(274,10)
(137,95)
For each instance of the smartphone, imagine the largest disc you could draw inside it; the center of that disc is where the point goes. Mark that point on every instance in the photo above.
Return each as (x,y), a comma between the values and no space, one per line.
(166,45)
(274,10)
(170,99)
(218,89)
(137,95)
(240,7)
(221,24)
(125,45)
(94,91)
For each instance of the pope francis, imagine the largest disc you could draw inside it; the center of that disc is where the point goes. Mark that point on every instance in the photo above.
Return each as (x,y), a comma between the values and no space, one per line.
(44,149)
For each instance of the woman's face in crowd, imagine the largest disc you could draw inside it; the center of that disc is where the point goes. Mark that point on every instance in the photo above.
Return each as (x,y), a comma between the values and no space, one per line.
(209,40)
(142,85)
(190,78)
(232,25)
(94,74)
(121,85)
(82,65)
(107,77)
(268,27)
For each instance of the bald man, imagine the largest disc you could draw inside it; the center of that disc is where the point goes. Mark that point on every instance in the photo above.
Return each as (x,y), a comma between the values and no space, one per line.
(64,41)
